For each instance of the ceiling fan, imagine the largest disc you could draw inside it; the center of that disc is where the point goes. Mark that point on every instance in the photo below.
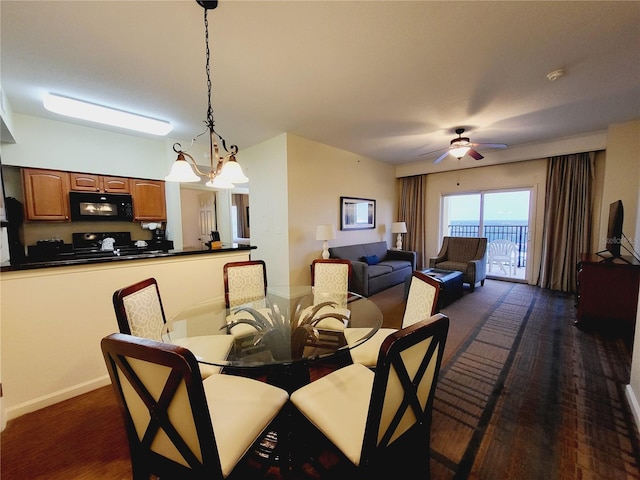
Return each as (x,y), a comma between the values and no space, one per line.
(461,146)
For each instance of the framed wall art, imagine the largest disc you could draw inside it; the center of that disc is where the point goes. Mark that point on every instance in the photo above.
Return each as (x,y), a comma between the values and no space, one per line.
(357,213)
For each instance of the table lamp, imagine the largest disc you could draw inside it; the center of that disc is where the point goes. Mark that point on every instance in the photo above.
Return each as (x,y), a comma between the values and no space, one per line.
(399,228)
(325,233)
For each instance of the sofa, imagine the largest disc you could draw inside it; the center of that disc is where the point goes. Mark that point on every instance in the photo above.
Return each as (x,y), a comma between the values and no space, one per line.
(464,254)
(374,266)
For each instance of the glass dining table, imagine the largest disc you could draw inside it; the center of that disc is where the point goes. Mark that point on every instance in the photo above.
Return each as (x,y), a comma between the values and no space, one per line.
(277,337)
(281,333)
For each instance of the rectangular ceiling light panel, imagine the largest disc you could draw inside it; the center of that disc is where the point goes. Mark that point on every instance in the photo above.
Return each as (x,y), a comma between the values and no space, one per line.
(105,115)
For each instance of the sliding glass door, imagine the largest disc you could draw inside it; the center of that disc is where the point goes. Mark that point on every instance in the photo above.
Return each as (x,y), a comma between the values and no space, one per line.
(502,217)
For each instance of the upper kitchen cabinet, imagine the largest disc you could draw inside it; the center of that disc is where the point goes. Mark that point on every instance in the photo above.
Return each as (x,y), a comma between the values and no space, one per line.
(46,194)
(148,200)
(86,182)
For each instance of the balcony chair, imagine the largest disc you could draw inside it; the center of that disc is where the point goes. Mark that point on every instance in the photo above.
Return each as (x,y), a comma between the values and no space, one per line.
(503,252)
(422,302)
(139,312)
(380,420)
(178,425)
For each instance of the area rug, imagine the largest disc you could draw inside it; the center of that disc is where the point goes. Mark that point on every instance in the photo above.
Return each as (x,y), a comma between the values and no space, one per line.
(530,396)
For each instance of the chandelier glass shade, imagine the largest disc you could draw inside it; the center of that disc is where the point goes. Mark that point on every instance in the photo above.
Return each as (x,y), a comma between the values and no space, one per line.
(224,171)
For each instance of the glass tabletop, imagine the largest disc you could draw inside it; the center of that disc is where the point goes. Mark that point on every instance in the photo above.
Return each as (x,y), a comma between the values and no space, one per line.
(290,324)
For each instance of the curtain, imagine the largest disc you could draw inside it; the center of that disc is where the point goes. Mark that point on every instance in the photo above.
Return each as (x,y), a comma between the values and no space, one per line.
(412,209)
(241,202)
(567,222)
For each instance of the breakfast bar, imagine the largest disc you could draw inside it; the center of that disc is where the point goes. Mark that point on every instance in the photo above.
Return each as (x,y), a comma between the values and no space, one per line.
(53,314)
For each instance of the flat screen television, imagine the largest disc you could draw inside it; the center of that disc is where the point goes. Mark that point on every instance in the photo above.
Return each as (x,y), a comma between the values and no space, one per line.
(614,229)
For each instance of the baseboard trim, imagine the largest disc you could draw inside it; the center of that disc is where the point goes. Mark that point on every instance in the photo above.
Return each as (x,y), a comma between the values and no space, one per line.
(54,397)
(633,404)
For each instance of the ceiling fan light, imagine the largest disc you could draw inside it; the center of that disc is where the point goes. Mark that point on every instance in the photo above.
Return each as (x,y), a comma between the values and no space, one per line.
(459,152)
(181,171)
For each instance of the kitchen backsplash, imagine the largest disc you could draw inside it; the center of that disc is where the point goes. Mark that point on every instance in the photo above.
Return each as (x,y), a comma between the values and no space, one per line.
(62,231)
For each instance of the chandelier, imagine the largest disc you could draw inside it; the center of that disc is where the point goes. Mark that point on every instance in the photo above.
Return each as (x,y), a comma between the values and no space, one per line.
(225,171)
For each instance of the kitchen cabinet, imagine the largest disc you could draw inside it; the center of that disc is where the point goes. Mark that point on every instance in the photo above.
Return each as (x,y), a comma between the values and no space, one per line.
(86,182)
(46,194)
(149,202)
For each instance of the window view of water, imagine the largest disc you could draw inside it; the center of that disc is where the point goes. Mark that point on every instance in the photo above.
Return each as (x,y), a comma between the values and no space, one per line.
(499,216)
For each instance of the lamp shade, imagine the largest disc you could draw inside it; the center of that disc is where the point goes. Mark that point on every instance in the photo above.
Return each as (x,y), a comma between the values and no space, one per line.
(181,171)
(398,227)
(459,152)
(232,171)
(325,232)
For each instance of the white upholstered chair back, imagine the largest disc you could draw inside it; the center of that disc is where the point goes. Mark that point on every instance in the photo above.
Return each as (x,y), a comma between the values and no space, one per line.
(245,282)
(330,279)
(422,299)
(139,310)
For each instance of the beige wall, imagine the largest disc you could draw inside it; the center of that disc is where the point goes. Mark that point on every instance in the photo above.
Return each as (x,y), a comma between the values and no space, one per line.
(52,321)
(530,175)
(621,180)
(318,176)
(297,184)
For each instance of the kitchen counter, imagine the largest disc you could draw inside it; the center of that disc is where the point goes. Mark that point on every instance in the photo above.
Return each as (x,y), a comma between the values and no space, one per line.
(232,247)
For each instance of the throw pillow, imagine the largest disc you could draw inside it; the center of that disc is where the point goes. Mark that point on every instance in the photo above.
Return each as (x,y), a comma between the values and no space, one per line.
(371,260)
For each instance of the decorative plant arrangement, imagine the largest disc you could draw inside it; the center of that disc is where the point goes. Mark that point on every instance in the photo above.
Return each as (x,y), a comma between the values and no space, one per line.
(286,339)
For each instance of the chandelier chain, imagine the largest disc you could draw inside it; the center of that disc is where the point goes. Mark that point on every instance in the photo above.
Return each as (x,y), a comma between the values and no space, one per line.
(209,122)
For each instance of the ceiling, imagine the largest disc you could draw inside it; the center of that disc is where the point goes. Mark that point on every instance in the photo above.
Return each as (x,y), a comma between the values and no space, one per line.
(389,80)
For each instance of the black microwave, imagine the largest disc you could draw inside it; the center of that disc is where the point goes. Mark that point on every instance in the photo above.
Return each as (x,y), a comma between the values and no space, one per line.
(101,207)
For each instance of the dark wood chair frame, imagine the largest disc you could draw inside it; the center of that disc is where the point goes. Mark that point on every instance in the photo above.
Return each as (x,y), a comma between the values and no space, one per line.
(117,348)
(409,455)
(121,294)
(241,264)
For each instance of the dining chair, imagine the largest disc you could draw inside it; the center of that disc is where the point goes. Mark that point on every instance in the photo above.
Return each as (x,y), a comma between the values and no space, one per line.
(422,302)
(380,420)
(330,283)
(139,312)
(178,425)
(245,284)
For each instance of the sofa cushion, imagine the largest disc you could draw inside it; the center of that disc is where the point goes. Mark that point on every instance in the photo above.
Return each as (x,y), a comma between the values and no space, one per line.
(371,259)
(396,264)
(453,266)
(380,269)
(349,252)
(376,248)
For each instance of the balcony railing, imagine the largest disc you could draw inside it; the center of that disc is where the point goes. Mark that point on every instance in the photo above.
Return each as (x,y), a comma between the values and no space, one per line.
(517,234)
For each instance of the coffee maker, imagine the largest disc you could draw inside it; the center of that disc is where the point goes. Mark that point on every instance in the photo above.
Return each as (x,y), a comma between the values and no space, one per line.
(158,240)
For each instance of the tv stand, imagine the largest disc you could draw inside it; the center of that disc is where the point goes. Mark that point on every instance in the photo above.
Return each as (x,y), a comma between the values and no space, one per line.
(608,293)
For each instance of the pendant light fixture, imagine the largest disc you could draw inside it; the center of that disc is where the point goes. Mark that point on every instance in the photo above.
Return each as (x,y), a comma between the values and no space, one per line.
(225,171)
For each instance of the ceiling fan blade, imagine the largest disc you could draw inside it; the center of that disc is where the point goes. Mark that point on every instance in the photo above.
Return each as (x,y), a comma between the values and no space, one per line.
(473,154)
(433,151)
(440,158)
(490,145)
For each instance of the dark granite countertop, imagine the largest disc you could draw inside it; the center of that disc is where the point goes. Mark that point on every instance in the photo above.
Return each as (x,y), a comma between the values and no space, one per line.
(7,267)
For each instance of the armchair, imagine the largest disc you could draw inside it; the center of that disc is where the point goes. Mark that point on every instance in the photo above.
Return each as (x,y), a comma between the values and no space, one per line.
(464,254)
